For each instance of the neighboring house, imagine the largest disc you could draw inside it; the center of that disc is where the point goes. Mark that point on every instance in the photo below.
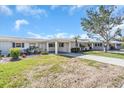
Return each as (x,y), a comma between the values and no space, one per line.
(58,45)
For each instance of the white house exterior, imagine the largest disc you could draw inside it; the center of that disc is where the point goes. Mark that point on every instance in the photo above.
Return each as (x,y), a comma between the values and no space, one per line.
(51,45)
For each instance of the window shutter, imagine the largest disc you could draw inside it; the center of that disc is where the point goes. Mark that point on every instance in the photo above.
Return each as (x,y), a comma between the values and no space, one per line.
(13,45)
(22,45)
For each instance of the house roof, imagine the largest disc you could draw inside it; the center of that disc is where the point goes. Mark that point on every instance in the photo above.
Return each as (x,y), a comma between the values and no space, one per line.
(67,40)
(18,39)
(117,42)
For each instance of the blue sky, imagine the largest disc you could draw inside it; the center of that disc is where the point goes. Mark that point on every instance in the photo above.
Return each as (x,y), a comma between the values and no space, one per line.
(43,21)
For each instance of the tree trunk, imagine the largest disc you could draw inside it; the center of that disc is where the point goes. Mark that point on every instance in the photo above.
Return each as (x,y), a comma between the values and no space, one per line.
(76,43)
(105,49)
(106,46)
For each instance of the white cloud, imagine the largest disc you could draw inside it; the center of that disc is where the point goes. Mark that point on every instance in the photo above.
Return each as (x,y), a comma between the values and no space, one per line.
(34,35)
(52,7)
(58,35)
(61,35)
(84,36)
(75,7)
(61,7)
(31,10)
(5,10)
(20,22)
(71,9)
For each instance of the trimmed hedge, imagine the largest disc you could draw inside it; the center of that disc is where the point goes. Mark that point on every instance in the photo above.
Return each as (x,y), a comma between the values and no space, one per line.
(122,45)
(44,53)
(75,50)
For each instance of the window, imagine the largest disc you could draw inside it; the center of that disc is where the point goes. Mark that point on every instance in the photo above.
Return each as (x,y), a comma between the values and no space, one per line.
(95,44)
(18,44)
(118,44)
(61,44)
(51,45)
(100,44)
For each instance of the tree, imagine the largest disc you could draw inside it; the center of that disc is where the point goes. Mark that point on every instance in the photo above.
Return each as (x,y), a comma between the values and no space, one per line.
(102,24)
(76,40)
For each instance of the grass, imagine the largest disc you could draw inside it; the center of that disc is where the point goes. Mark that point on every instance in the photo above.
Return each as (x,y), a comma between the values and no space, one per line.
(56,68)
(91,63)
(59,71)
(11,73)
(108,54)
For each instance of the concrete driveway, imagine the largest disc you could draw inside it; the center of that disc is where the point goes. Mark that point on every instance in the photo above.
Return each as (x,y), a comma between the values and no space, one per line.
(114,61)
(117,51)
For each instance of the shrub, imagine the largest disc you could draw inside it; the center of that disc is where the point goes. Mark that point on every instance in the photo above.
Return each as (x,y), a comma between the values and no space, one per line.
(0,52)
(0,57)
(122,45)
(75,50)
(15,53)
(44,53)
(8,55)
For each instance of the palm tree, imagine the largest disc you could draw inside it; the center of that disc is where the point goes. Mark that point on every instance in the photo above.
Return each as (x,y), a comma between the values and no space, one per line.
(76,40)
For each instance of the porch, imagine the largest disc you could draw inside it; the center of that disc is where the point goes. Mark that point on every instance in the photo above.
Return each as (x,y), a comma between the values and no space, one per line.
(58,47)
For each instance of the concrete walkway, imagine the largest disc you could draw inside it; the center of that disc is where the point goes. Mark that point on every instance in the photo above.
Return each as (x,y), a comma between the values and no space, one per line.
(114,61)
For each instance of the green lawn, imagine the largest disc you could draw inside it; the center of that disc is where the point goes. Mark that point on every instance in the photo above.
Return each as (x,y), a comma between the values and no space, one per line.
(108,54)
(11,73)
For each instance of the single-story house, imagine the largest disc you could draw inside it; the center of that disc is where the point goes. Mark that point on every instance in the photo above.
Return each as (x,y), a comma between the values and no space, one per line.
(56,45)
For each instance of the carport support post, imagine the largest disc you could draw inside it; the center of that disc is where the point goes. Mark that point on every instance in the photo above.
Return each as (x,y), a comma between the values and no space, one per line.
(92,46)
(69,47)
(115,46)
(56,47)
(47,47)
